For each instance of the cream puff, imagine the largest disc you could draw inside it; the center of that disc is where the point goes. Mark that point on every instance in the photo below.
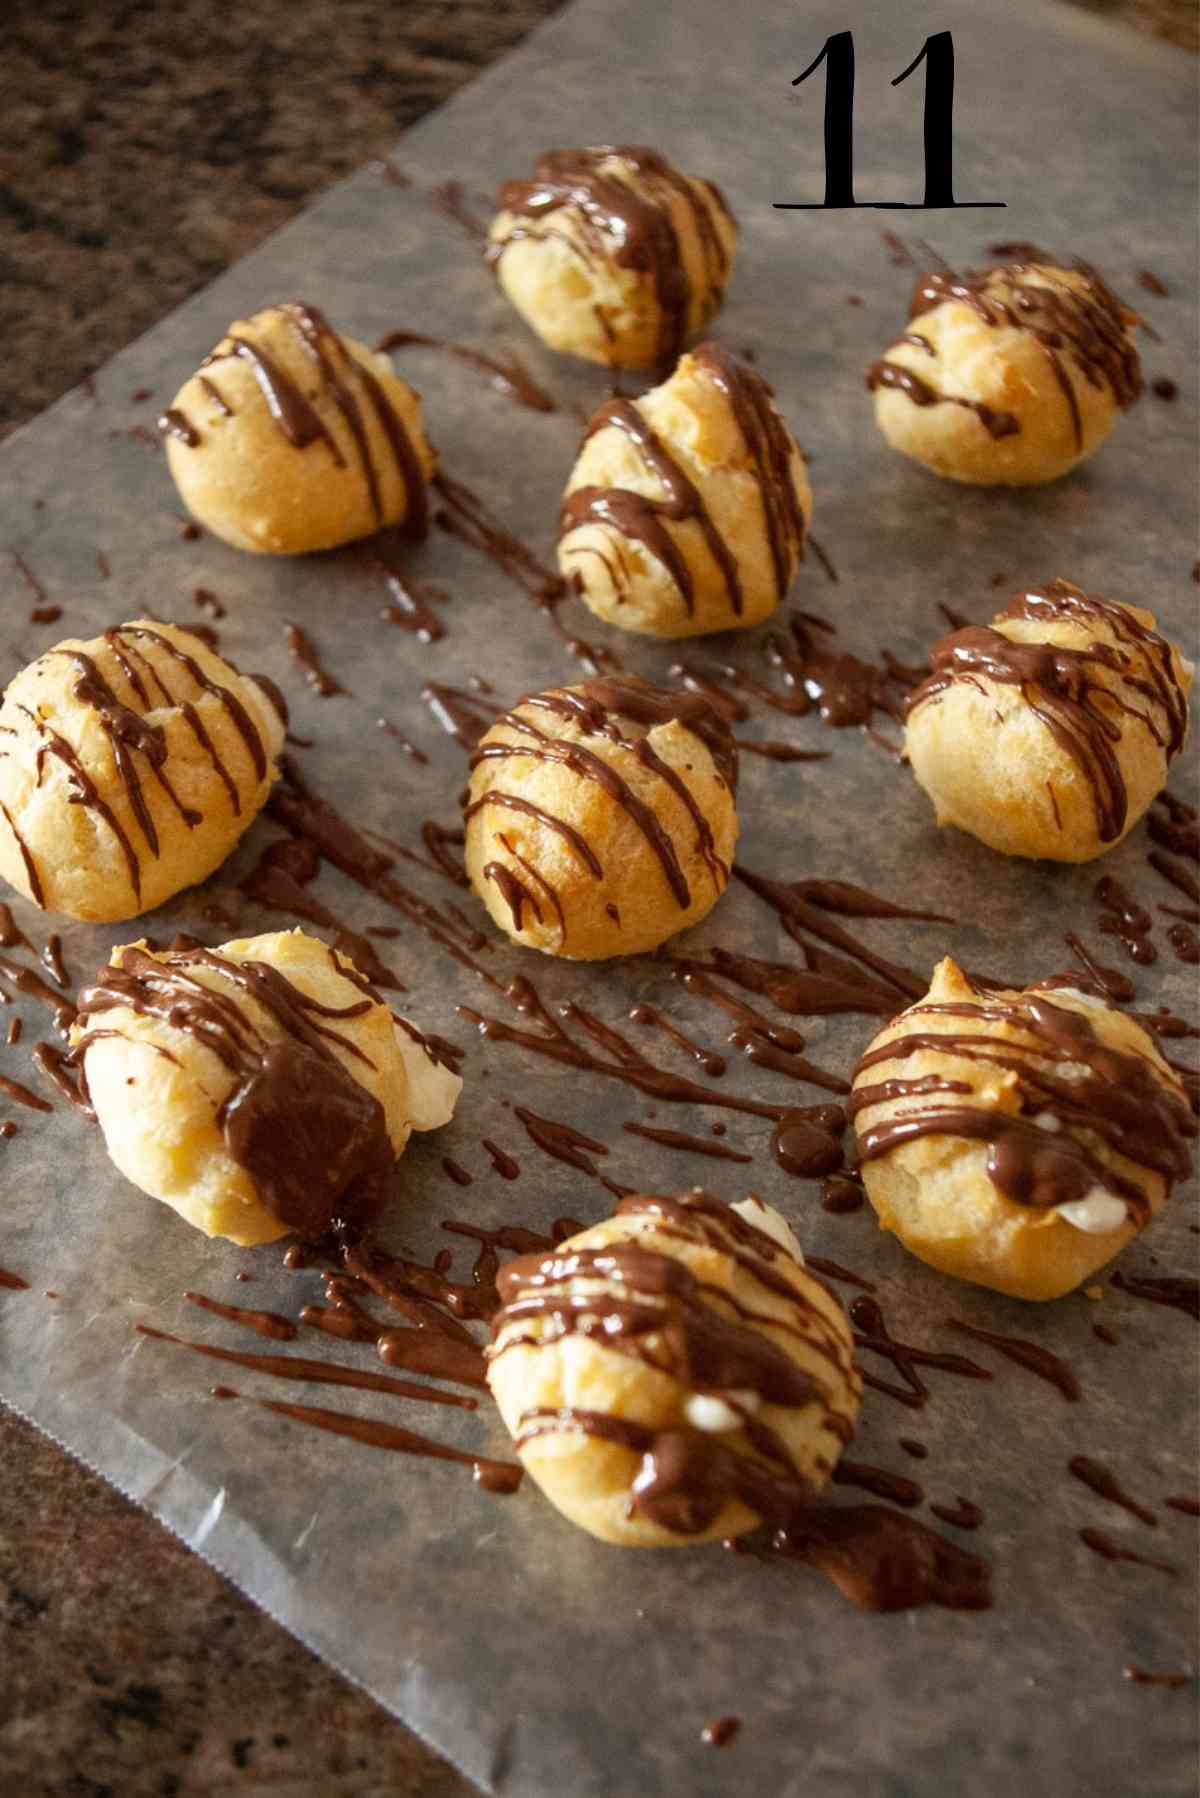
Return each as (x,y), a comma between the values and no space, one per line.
(1049,732)
(1017,1139)
(674,1374)
(130,766)
(290,438)
(1008,376)
(600,819)
(611,254)
(686,511)
(260,1089)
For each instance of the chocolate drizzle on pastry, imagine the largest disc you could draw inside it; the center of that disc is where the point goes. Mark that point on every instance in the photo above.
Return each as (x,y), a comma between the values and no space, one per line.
(625,221)
(1063,688)
(352,389)
(642,518)
(1079,323)
(599,707)
(313,1141)
(132,738)
(1036,1156)
(645,1303)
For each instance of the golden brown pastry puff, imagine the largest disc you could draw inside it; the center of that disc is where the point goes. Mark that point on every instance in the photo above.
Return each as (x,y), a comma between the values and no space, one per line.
(259,1089)
(290,437)
(1048,732)
(687,509)
(674,1374)
(600,819)
(130,766)
(1007,376)
(1017,1139)
(611,254)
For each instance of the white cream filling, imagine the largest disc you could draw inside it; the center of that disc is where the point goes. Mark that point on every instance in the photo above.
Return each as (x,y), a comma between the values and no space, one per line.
(432,1089)
(768,1220)
(1097,1213)
(705,1411)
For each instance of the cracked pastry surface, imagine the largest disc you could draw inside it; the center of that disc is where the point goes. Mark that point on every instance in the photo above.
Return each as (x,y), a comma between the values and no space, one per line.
(1017,1139)
(612,254)
(686,511)
(1007,376)
(259,1089)
(130,766)
(1049,732)
(600,819)
(674,1374)
(291,437)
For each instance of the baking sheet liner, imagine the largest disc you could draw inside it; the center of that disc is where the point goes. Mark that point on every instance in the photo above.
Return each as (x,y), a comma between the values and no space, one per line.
(537,1659)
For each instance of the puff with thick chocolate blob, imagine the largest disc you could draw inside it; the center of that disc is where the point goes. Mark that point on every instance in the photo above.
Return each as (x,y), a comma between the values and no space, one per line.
(130,766)
(291,437)
(259,1089)
(1009,376)
(687,509)
(1017,1139)
(612,254)
(675,1374)
(1049,732)
(600,819)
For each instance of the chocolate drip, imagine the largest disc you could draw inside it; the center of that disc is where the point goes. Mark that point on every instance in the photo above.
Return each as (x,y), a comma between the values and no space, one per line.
(303,651)
(448,200)
(963,1515)
(1080,319)
(264,1323)
(1114,985)
(1030,1355)
(696,1145)
(714,1065)
(216,397)
(883,373)
(871,1332)
(320,1373)
(1178,1292)
(1138,1676)
(621,1060)
(10,1282)
(883,1561)
(805,1146)
(720,1732)
(1122,917)
(1108,1550)
(562,1141)
(629,225)
(1059,686)
(1120,1098)
(313,1141)
(24,980)
(510,377)
(1102,1481)
(13,1089)
(801,919)
(895,1487)
(465,515)
(1188,1506)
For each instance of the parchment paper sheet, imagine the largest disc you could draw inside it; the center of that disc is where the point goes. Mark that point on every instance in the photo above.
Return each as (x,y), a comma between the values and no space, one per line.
(539,1660)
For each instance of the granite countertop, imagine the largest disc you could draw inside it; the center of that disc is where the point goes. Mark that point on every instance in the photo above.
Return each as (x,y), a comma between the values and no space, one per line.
(142,149)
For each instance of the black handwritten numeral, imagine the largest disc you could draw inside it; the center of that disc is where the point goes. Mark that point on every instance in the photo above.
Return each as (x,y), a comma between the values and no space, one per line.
(937,53)
(837,54)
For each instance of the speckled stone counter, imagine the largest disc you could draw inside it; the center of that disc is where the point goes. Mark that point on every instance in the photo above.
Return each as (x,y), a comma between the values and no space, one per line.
(142,148)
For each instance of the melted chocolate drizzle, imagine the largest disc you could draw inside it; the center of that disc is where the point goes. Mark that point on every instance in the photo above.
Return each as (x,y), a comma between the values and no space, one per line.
(1120,1097)
(1063,691)
(630,225)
